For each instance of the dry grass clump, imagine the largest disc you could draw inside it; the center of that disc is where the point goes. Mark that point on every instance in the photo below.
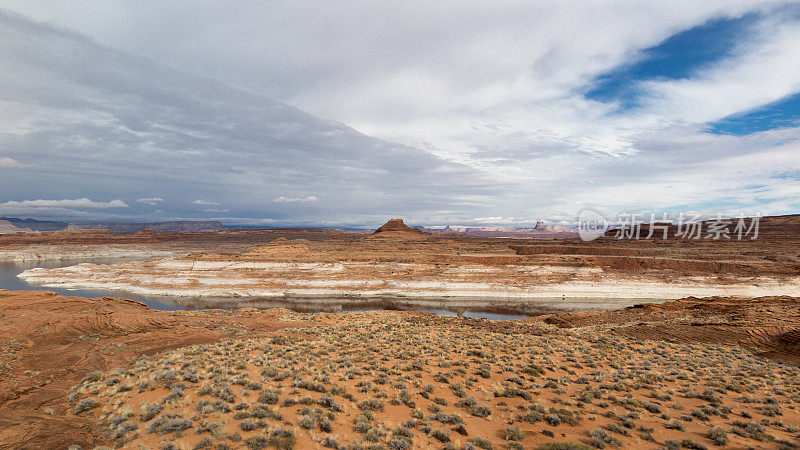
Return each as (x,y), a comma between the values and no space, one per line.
(389,380)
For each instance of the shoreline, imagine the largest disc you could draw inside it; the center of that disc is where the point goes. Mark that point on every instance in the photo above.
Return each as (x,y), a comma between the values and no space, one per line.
(609,288)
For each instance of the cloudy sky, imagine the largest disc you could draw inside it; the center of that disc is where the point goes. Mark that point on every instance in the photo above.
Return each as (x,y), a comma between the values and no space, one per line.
(347,113)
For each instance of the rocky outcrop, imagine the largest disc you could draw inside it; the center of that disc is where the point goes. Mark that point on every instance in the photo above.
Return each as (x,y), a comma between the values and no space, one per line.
(6,227)
(395,225)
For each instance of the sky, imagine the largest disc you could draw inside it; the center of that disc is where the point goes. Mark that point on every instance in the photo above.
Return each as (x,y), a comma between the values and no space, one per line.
(349,113)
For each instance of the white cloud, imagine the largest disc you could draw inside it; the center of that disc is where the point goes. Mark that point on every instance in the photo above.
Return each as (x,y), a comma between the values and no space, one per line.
(763,70)
(495,87)
(214,210)
(310,198)
(152,201)
(9,163)
(78,203)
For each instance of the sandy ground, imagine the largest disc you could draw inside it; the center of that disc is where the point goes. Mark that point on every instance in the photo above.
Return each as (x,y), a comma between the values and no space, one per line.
(113,372)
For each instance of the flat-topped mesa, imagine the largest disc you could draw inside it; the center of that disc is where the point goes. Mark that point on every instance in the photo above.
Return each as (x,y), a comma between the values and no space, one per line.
(396,225)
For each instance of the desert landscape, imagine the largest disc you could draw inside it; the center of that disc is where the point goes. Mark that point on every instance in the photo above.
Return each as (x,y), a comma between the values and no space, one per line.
(367,225)
(690,344)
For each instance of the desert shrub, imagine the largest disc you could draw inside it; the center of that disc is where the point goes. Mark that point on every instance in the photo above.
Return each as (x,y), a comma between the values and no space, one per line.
(481,443)
(191,376)
(207,442)
(169,423)
(458,390)
(281,438)
(325,426)
(86,404)
(450,419)
(125,428)
(563,446)
(308,422)
(248,425)
(511,392)
(617,429)
(718,436)
(93,376)
(654,408)
(675,425)
(363,422)
(440,435)
(531,416)
(481,411)
(752,430)
(268,397)
(600,438)
(374,434)
(513,434)
(690,444)
(257,442)
(330,442)
(566,416)
(628,422)
(403,432)
(167,376)
(370,405)
(771,411)
(552,419)
(329,402)
(150,410)
(398,444)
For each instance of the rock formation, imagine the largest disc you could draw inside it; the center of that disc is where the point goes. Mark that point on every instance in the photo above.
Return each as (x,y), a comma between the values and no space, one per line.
(396,226)
(7,227)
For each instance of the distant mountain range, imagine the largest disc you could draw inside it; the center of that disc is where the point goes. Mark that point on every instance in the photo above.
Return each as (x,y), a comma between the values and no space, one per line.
(15,225)
(36,225)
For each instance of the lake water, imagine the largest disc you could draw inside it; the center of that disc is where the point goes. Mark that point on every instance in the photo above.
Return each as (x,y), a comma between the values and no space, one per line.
(10,281)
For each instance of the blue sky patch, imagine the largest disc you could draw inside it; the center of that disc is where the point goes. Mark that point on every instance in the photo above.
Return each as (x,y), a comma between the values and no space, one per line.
(677,57)
(783,113)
